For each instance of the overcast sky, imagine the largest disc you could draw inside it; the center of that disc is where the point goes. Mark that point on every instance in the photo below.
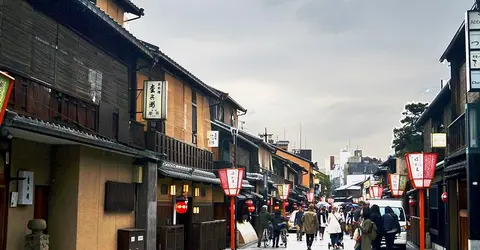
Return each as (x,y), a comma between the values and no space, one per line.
(344,69)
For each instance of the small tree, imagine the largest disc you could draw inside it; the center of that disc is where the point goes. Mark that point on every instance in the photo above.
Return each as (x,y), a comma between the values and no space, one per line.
(325,184)
(409,137)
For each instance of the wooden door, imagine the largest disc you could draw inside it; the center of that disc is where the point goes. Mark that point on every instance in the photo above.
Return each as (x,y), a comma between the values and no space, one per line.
(40,202)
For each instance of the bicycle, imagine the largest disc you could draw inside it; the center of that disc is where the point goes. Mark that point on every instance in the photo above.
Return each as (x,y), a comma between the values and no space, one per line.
(283,236)
(266,237)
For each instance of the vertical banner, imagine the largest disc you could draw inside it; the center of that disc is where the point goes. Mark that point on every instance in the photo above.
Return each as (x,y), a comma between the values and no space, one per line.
(472,49)
(155,98)
(6,86)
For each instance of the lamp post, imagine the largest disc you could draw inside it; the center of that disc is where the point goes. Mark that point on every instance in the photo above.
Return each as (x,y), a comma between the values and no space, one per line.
(231,180)
(421,170)
(283,192)
(398,183)
(310,197)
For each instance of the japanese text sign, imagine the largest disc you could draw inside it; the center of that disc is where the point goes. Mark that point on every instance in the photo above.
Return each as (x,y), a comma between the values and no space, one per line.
(398,183)
(212,139)
(155,100)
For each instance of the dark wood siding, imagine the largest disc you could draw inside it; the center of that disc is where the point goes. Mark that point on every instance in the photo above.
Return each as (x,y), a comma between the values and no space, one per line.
(39,48)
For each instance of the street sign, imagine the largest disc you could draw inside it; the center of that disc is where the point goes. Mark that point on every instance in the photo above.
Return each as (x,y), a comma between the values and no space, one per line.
(212,139)
(472,45)
(155,95)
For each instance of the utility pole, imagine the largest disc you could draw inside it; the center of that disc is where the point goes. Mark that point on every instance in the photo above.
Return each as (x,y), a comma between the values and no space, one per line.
(265,135)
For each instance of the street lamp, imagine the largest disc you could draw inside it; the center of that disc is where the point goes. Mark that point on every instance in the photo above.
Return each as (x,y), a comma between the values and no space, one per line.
(421,170)
(231,180)
(376,192)
(283,192)
(310,197)
(398,183)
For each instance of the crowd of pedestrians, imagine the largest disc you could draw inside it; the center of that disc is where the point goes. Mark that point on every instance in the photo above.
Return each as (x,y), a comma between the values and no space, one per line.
(362,223)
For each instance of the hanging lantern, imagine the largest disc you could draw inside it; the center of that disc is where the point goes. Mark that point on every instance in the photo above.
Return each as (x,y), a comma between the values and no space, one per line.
(276,207)
(269,202)
(231,180)
(249,202)
(398,183)
(412,202)
(375,192)
(251,209)
(285,203)
(283,191)
(421,169)
(444,197)
(181,207)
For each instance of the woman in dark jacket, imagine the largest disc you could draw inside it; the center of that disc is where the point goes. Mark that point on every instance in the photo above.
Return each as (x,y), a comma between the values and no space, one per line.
(376,218)
(276,220)
(391,227)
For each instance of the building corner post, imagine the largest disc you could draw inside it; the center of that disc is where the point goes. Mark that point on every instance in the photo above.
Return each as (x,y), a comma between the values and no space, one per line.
(146,214)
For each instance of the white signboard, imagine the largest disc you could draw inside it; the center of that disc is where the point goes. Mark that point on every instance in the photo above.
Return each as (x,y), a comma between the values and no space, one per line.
(472,44)
(155,100)
(25,188)
(416,165)
(212,139)
(439,140)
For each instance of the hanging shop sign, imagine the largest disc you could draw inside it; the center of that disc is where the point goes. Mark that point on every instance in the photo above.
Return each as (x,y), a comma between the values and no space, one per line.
(439,140)
(444,197)
(472,43)
(6,86)
(398,183)
(155,98)
(212,139)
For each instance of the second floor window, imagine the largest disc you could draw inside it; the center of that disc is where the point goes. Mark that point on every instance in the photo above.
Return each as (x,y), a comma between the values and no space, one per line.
(194,112)
(232,118)
(95,80)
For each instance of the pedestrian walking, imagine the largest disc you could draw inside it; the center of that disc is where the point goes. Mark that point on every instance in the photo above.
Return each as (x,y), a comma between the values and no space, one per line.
(391,226)
(351,222)
(376,218)
(323,220)
(263,223)
(310,225)
(334,227)
(367,231)
(276,220)
(297,222)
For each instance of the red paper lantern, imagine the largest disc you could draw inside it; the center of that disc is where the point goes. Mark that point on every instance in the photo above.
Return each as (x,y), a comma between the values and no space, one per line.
(269,202)
(375,192)
(249,202)
(231,180)
(444,197)
(421,169)
(412,202)
(181,207)
(251,209)
(276,207)
(285,203)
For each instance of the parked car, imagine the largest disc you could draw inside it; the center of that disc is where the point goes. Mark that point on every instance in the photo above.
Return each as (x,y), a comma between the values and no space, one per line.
(396,205)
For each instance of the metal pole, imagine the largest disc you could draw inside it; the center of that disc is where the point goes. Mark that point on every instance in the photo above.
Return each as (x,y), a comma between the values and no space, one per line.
(421,194)
(174,204)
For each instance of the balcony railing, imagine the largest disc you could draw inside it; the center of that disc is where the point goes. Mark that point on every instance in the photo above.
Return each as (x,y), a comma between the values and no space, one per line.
(31,98)
(179,152)
(137,134)
(456,135)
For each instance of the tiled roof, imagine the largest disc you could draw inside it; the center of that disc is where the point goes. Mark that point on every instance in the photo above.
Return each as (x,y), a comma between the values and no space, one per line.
(178,171)
(130,7)
(60,131)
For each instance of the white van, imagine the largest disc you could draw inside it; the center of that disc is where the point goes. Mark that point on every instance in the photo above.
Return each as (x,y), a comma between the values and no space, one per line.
(396,205)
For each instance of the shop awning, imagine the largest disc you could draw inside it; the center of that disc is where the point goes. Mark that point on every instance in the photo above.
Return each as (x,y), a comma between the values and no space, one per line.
(257,195)
(181,172)
(246,185)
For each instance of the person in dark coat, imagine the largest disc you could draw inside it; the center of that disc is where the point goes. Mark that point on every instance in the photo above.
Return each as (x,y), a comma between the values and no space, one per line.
(298,223)
(391,227)
(357,215)
(377,218)
(276,220)
(263,221)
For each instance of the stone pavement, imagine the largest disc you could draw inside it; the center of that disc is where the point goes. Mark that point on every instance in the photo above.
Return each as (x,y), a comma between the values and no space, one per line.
(293,244)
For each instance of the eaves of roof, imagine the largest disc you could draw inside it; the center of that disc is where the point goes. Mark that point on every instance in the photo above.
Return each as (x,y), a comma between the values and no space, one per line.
(437,104)
(90,6)
(34,125)
(229,98)
(257,140)
(294,155)
(130,7)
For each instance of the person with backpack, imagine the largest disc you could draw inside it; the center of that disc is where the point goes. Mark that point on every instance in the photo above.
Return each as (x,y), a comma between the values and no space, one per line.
(377,218)
(367,232)
(391,227)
